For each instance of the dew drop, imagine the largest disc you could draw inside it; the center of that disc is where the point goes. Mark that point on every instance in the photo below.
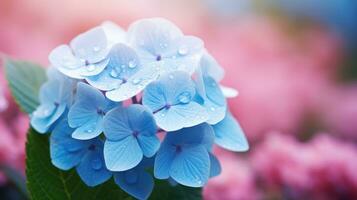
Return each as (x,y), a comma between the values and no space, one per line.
(162,114)
(89,131)
(183,50)
(90,68)
(136,81)
(185,97)
(96,48)
(114,73)
(132,64)
(122,66)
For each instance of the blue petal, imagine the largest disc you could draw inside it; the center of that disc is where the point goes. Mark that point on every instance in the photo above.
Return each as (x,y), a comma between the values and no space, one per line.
(123,154)
(134,84)
(91,45)
(201,134)
(92,169)
(113,32)
(155,35)
(135,182)
(63,59)
(229,135)
(210,67)
(65,151)
(89,130)
(181,116)
(215,168)
(163,161)
(214,100)
(191,166)
(122,122)
(122,65)
(149,144)
(87,112)
(45,116)
(171,99)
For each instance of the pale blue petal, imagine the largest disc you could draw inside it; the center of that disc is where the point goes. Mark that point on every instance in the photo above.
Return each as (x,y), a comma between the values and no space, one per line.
(155,35)
(229,135)
(114,33)
(45,116)
(163,161)
(149,144)
(137,183)
(134,85)
(122,65)
(122,155)
(181,116)
(191,166)
(116,124)
(229,92)
(215,168)
(185,56)
(89,130)
(92,169)
(91,45)
(214,101)
(210,67)
(201,134)
(65,151)
(87,112)
(63,59)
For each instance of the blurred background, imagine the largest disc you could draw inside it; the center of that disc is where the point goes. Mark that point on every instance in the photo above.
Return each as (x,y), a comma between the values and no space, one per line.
(293,62)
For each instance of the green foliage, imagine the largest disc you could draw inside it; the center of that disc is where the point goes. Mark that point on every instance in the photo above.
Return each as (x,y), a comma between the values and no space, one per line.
(45,181)
(25,80)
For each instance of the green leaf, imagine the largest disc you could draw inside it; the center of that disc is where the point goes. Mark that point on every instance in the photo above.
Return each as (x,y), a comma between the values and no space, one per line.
(44,181)
(25,80)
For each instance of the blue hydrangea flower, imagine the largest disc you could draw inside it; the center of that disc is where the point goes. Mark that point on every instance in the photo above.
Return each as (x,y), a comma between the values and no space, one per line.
(55,96)
(85,56)
(87,113)
(229,134)
(131,134)
(137,181)
(124,76)
(85,155)
(171,100)
(184,156)
(160,44)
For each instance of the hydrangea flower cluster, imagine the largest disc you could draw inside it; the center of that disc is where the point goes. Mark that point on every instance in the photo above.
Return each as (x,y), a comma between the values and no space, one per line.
(111,93)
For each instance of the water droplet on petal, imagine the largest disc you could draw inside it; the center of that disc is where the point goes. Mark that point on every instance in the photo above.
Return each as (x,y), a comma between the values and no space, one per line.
(122,66)
(132,64)
(114,73)
(185,97)
(136,81)
(171,76)
(162,114)
(212,109)
(89,130)
(96,48)
(96,164)
(183,50)
(90,68)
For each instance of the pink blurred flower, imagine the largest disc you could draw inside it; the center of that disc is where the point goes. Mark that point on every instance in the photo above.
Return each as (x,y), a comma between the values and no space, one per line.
(235,182)
(339,111)
(323,168)
(13,128)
